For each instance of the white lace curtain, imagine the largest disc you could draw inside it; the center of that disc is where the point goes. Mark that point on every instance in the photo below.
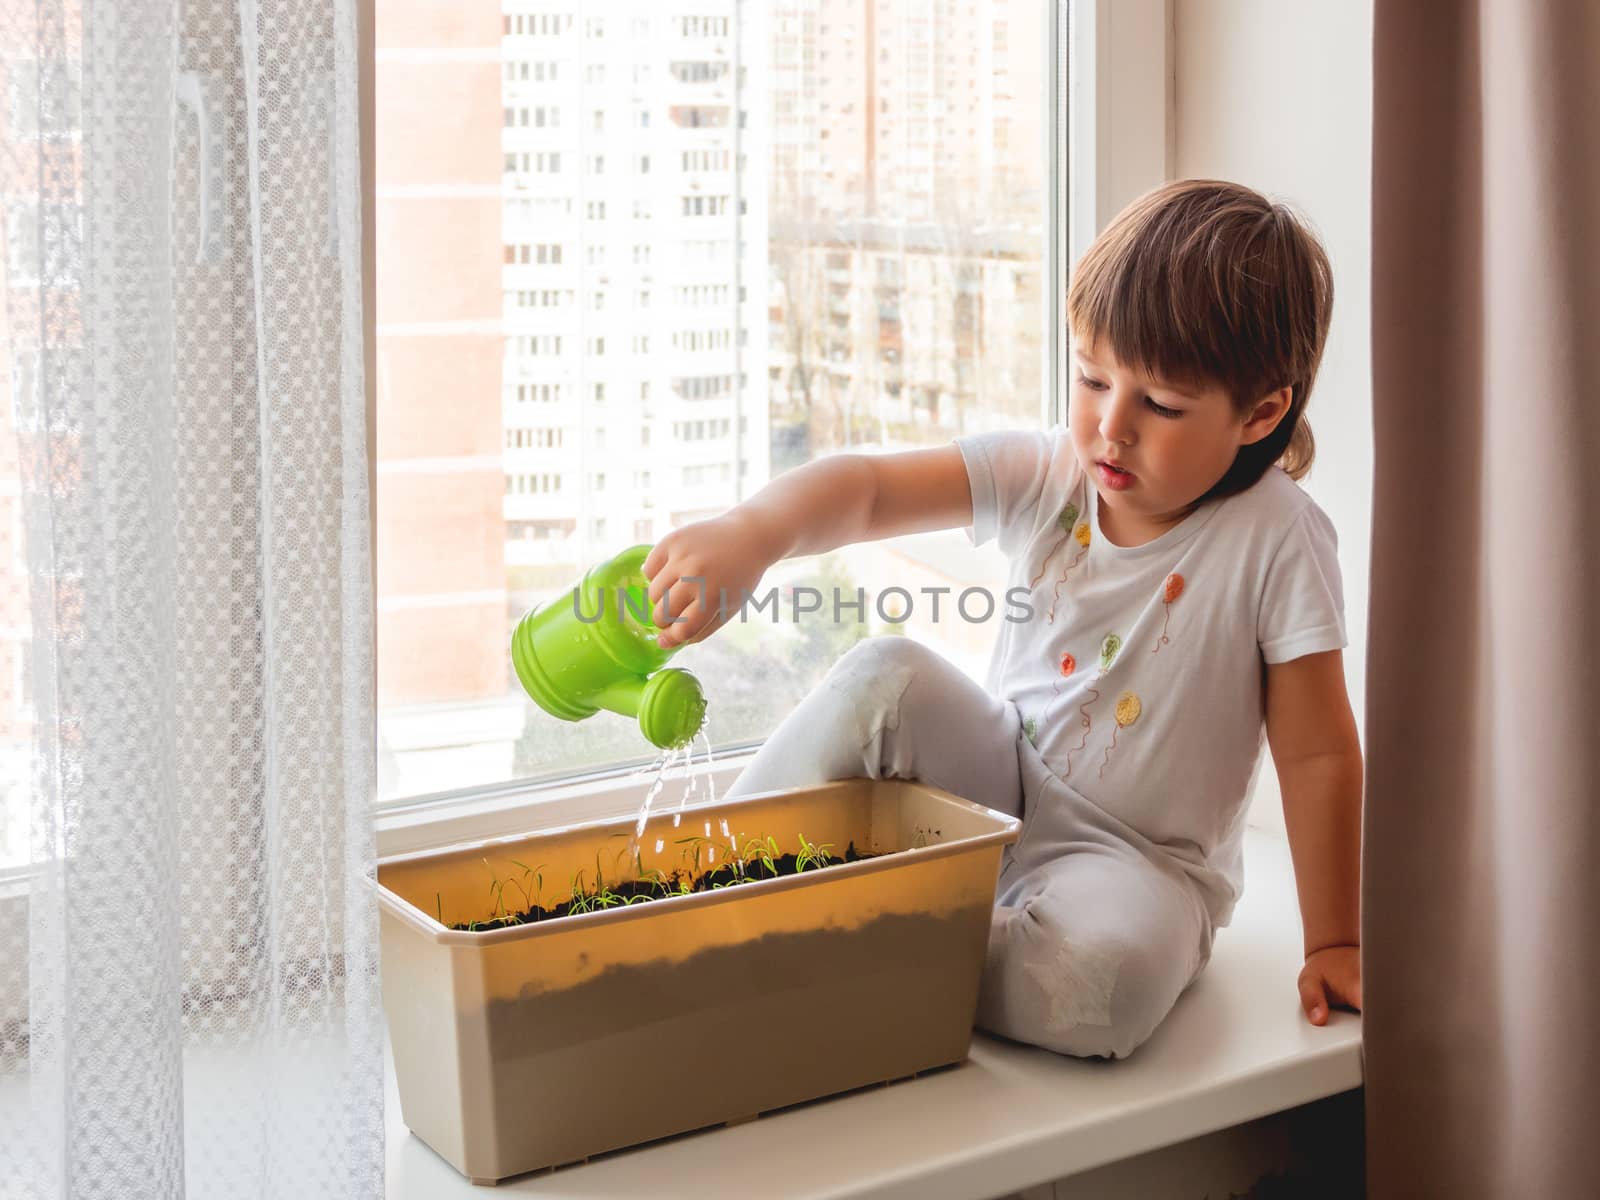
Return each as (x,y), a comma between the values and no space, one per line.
(188,964)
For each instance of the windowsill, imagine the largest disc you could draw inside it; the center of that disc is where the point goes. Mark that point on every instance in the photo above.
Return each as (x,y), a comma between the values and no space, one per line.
(1235,1048)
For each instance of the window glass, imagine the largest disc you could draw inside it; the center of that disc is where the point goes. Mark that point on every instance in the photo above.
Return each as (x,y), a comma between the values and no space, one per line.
(843,228)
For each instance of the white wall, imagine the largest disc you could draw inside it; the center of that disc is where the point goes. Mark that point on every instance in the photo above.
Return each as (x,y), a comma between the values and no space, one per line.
(1278,96)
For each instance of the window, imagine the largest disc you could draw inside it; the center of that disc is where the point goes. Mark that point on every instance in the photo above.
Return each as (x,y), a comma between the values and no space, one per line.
(534,254)
(538,162)
(537,24)
(697,116)
(698,72)
(704,206)
(769,317)
(541,345)
(701,27)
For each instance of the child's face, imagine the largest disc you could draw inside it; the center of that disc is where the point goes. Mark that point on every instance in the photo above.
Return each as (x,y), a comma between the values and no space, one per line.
(1172,444)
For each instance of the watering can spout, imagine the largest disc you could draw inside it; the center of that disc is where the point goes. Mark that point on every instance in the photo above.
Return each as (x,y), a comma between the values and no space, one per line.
(595,647)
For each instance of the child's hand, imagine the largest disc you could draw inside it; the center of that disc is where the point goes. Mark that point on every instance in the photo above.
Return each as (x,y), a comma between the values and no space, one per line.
(692,568)
(1331,975)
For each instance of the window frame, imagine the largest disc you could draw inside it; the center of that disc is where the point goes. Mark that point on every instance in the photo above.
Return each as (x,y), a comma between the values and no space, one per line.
(1108,68)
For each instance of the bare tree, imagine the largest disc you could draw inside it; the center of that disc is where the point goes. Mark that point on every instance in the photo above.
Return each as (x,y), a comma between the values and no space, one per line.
(793,258)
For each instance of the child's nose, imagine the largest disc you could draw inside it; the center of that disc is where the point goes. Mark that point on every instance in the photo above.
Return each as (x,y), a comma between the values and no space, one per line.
(1117,420)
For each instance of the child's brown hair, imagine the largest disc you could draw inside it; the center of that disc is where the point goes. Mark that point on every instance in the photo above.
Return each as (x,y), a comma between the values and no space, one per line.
(1207,283)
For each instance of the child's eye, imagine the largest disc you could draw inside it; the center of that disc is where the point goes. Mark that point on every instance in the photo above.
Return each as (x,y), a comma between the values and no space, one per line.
(1093,384)
(1161,410)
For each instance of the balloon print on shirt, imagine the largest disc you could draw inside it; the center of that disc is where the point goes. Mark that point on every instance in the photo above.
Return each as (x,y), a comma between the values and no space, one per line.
(1068,665)
(1080,534)
(1066,519)
(1170,591)
(1110,646)
(1127,712)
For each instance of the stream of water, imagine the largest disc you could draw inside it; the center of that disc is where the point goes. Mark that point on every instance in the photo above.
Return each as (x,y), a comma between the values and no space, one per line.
(697,785)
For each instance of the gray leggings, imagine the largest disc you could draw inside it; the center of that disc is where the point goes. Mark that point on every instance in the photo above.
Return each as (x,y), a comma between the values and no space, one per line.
(1096,932)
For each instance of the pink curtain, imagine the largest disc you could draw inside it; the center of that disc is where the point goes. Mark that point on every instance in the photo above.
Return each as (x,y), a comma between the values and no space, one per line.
(1482,857)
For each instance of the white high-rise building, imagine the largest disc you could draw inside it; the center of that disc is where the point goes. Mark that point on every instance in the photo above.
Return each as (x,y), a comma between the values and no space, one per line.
(635,230)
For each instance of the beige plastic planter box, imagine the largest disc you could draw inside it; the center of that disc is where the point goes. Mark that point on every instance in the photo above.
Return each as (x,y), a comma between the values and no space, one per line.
(541,1044)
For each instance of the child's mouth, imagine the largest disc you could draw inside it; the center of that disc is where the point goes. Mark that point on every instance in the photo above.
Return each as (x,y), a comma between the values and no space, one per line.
(1115,478)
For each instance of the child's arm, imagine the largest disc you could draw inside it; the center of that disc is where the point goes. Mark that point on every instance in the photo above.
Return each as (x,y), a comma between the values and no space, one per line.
(1312,733)
(834,501)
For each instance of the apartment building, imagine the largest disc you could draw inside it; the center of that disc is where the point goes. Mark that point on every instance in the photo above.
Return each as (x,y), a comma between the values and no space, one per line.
(907,229)
(634,271)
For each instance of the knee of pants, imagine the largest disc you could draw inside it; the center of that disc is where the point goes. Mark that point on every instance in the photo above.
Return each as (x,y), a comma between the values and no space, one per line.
(1090,994)
(874,675)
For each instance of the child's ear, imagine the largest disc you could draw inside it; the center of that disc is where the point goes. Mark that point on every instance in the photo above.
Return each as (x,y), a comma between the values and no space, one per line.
(1264,418)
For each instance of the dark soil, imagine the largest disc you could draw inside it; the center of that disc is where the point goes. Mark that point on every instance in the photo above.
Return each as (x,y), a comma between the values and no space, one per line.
(666,887)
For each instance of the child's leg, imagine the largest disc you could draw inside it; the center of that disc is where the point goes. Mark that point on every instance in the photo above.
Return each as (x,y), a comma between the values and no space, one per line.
(890,707)
(1089,951)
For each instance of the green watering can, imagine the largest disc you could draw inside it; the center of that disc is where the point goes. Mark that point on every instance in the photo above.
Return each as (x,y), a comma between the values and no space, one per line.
(595,647)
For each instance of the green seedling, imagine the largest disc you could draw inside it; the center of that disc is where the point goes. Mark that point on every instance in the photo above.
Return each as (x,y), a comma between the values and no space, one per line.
(535,875)
(579,902)
(696,844)
(815,857)
(497,893)
(765,851)
(620,855)
(653,878)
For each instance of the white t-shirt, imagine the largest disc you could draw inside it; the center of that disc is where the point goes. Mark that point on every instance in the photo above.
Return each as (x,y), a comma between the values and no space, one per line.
(1166,640)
